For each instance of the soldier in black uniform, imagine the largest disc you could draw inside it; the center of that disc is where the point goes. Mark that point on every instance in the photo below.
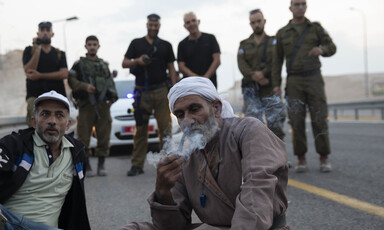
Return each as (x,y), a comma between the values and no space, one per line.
(149,58)
(255,63)
(45,67)
(300,43)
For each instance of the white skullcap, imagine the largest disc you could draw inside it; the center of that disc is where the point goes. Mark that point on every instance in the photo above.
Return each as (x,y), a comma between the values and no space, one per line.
(202,87)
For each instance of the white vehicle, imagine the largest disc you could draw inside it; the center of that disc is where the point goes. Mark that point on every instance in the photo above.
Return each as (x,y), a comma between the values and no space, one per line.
(123,121)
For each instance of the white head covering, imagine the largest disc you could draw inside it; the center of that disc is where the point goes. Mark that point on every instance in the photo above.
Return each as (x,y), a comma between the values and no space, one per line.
(199,86)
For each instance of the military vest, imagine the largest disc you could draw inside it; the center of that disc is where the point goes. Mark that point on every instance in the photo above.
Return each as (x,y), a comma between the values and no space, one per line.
(99,76)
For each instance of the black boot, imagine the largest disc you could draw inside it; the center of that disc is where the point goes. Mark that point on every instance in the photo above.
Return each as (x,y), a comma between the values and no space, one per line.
(135,170)
(100,167)
(89,172)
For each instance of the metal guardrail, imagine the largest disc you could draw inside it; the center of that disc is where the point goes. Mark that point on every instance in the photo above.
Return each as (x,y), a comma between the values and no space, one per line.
(354,108)
(8,124)
(357,106)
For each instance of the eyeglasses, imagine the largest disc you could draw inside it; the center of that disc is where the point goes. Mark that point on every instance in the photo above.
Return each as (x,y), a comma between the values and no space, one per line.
(297,4)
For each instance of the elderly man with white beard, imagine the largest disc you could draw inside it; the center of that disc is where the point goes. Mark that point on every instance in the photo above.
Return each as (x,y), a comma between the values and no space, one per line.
(237,181)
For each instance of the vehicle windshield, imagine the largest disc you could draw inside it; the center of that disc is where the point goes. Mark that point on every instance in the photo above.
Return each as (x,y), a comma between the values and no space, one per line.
(125,88)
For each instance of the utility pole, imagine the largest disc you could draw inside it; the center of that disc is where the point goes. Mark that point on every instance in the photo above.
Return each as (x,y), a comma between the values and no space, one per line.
(366,77)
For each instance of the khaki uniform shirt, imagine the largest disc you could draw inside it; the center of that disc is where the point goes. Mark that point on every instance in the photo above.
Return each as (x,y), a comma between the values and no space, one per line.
(249,59)
(286,39)
(250,188)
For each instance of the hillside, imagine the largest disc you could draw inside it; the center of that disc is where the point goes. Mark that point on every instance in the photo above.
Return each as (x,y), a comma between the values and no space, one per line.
(12,84)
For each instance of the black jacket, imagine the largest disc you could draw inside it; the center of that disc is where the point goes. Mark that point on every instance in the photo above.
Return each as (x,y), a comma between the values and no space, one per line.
(18,148)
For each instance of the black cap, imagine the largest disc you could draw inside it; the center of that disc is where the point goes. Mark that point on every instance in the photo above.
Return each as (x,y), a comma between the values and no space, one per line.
(153,17)
(45,24)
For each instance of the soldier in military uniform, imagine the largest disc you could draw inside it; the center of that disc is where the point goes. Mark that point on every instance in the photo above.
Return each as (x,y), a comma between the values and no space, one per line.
(149,58)
(255,63)
(94,90)
(300,43)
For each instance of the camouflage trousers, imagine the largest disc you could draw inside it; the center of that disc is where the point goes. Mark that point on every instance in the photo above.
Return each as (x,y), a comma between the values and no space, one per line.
(272,107)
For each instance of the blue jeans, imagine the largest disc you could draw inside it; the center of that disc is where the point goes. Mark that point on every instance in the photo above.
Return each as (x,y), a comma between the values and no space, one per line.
(272,107)
(17,222)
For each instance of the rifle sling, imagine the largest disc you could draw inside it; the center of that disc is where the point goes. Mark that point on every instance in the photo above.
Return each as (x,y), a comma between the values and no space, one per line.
(146,84)
(296,48)
(263,59)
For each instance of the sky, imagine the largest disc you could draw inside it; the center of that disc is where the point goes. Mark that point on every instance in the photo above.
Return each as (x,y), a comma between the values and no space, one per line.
(117,22)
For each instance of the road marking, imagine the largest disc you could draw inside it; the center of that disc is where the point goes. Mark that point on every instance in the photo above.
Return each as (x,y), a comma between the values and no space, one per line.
(351,202)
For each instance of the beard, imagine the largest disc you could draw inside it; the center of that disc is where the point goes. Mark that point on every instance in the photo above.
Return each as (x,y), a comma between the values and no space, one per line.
(201,134)
(259,32)
(48,138)
(153,33)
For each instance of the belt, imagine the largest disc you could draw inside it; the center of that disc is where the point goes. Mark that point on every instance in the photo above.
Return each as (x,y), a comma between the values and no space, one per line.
(152,87)
(278,222)
(304,73)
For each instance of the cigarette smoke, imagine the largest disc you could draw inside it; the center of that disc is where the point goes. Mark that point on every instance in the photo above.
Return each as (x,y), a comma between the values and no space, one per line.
(174,144)
(194,137)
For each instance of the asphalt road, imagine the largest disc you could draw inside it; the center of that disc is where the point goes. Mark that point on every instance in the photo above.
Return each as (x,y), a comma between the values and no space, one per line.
(358,168)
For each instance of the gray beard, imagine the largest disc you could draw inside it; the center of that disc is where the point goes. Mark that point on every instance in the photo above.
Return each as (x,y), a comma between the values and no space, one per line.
(207,131)
(49,139)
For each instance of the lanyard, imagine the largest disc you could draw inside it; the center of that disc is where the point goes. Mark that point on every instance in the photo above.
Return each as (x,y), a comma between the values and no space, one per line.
(203,197)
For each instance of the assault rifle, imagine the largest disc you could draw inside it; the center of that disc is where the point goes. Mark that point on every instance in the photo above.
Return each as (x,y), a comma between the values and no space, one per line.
(91,96)
(108,81)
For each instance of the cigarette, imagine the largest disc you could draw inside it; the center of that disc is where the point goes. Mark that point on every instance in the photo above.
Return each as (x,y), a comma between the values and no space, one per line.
(181,144)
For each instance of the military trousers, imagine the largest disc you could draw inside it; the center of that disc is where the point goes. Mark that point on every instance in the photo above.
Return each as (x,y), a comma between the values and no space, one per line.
(157,101)
(304,93)
(88,119)
(271,106)
(30,105)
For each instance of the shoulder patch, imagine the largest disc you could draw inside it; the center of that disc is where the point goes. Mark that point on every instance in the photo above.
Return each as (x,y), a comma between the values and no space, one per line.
(241,51)
(274,42)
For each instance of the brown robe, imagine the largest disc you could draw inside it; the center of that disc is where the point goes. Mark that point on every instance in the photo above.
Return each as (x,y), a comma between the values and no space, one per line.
(250,189)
